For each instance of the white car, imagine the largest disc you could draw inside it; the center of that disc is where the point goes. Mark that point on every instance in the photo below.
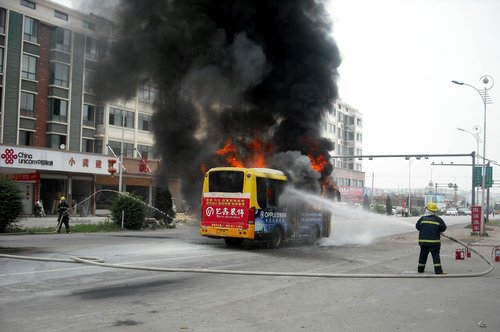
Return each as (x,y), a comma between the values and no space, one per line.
(452,212)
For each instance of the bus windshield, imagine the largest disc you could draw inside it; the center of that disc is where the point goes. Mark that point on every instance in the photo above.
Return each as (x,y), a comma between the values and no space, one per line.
(226,182)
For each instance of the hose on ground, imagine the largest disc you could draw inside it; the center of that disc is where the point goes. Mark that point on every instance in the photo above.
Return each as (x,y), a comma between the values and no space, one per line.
(95,261)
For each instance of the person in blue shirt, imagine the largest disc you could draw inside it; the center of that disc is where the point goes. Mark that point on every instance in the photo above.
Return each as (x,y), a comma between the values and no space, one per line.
(430,227)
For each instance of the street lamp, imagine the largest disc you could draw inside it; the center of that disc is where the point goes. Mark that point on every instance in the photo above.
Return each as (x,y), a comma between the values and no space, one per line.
(488,84)
(477,131)
(410,161)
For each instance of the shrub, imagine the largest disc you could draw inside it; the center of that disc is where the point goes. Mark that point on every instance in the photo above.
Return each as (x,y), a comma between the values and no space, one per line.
(164,203)
(11,206)
(133,209)
(379,208)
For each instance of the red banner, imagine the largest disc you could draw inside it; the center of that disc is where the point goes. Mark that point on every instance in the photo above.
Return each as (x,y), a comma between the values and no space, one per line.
(476,218)
(26,177)
(225,210)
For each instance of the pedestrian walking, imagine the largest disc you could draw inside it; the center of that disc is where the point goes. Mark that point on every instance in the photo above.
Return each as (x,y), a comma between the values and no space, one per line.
(63,218)
(430,227)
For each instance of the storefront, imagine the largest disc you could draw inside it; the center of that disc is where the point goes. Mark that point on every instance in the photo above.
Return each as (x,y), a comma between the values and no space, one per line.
(45,175)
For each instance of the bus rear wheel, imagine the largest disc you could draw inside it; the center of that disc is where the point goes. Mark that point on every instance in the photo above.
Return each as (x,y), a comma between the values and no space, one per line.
(313,236)
(276,238)
(232,242)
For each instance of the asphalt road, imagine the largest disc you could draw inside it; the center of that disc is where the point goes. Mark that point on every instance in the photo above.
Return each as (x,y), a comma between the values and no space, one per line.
(53,296)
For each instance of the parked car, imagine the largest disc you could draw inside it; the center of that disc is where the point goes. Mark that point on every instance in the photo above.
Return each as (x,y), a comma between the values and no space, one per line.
(451,212)
(464,212)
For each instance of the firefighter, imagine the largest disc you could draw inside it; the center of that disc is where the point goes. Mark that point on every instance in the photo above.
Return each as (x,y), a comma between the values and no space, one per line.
(430,227)
(63,210)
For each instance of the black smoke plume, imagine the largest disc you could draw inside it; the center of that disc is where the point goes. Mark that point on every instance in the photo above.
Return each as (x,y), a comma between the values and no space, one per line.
(235,69)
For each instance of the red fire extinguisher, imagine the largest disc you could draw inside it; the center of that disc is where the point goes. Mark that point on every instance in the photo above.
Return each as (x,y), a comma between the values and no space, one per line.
(496,253)
(459,254)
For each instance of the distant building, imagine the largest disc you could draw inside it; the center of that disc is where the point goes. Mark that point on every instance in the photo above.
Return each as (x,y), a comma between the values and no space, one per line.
(343,125)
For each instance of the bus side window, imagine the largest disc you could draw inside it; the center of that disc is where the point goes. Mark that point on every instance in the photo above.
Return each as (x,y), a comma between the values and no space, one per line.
(274,192)
(262,192)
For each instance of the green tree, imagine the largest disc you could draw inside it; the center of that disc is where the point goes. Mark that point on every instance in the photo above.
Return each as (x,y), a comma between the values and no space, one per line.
(11,206)
(388,205)
(133,208)
(164,204)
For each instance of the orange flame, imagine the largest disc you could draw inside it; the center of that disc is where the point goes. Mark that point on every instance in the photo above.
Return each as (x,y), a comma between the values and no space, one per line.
(231,154)
(257,150)
(318,163)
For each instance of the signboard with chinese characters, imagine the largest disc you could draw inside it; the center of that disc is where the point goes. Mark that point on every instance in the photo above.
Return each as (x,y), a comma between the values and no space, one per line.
(52,160)
(476,219)
(225,209)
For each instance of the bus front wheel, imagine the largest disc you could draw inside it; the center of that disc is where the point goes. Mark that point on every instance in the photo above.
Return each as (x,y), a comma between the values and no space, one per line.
(276,238)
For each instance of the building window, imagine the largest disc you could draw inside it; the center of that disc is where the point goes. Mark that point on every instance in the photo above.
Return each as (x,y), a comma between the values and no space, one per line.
(147,152)
(27,104)
(100,115)
(28,3)
(87,145)
(98,145)
(128,148)
(29,67)
(30,29)
(148,92)
(61,15)
(26,137)
(115,118)
(145,122)
(1,59)
(88,115)
(59,110)
(59,74)
(55,141)
(88,81)
(2,20)
(91,48)
(88,25)
(62,39)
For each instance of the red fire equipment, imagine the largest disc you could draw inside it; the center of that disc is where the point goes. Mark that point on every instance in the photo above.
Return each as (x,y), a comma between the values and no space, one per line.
(496,253)
(467,250)
(459,254)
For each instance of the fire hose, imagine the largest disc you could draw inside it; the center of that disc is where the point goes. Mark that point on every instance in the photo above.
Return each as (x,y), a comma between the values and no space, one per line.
(60,219)
(96,261)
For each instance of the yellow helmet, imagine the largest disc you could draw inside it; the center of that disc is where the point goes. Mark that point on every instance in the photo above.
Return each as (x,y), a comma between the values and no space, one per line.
(431,206)
(63,198)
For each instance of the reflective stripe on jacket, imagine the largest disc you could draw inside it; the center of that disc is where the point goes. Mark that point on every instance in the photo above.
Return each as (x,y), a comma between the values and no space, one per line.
(430,227)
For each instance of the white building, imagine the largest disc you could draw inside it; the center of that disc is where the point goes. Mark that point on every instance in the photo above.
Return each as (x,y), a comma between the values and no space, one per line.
(343,125)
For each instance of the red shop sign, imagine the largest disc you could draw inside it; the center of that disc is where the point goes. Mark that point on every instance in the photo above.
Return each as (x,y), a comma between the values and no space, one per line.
(476,218)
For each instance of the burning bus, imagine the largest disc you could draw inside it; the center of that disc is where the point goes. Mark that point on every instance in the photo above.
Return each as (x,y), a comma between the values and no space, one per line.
(252,204)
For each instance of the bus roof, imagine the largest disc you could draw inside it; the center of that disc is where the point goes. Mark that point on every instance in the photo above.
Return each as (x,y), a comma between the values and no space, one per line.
(262,170)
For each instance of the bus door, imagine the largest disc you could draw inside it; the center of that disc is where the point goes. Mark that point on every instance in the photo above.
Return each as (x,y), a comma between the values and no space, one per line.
(270,213)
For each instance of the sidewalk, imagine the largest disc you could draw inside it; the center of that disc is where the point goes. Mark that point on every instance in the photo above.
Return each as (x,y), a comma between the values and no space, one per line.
(51,221)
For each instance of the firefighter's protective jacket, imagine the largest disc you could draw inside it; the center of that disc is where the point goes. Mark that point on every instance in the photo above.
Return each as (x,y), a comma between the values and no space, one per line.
(430,227)
(63,209)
